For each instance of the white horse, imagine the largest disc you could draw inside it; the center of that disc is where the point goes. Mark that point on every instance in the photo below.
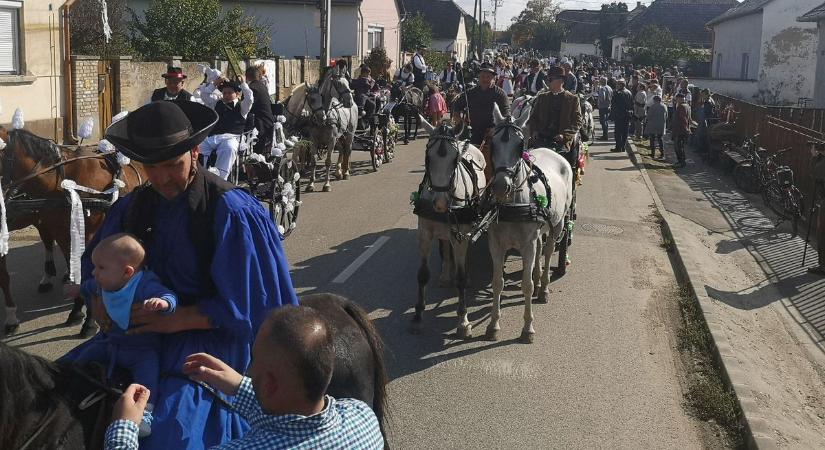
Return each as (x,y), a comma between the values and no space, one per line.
(453,181)
(326,127)
(520,109)
(335,86)
(533,191)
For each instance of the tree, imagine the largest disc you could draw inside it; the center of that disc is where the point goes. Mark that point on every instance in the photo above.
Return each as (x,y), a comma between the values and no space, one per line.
(415,32)
(612,19)
(197,30)
(536,27)
(547,36)
(537,11)
(87,29)
(379,63)
(656,46)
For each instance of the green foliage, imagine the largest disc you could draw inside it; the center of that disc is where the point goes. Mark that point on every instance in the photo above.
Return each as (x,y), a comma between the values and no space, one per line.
(437,60)
(656,46)
(535,26)
(87,29)
(197,30)
(415,32)
(611,20)
(379,63)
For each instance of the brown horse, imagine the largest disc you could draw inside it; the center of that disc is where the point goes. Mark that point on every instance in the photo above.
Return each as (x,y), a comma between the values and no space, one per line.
(33,169)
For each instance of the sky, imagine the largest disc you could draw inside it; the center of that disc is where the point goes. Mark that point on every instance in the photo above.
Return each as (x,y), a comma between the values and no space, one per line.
(511,8)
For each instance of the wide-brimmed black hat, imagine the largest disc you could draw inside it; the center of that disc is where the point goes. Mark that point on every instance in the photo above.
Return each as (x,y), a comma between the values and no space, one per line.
(555,72)
(487,67)
(162,130)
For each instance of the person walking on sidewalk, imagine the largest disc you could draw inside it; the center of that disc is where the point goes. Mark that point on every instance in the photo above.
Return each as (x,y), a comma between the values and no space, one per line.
(622,112)
(681,128)
(655,125)
(818,174)
(604,95)
(639,110)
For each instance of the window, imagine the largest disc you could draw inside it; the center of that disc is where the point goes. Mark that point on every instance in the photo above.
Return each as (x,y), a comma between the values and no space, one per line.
(745,64)
(375,37)
(718,65)
(10,37)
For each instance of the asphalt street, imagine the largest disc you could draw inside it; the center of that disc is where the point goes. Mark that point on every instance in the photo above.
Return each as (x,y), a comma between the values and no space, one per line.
(602,372)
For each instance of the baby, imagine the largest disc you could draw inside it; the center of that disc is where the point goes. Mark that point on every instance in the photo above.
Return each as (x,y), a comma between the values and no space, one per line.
(121,281)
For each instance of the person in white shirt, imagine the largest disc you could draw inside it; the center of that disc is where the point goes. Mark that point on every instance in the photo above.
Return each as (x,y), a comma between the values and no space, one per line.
(225,137)
(419,68)
(405,75)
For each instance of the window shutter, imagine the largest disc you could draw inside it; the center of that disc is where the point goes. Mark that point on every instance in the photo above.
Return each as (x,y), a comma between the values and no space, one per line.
(8,40)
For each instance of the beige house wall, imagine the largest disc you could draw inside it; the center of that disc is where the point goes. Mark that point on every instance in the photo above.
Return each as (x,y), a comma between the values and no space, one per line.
(38,89)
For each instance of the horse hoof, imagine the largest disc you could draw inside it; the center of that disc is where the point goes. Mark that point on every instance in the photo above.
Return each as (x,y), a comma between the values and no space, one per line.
(527,337)
(542,298)
(310,188)
(327,188)
(492,334)
(465,332)
(11,329)
(346,176)
(43,288)
(75,318)
(88,330)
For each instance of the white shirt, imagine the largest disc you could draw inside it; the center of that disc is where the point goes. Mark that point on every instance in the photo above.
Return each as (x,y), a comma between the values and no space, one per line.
(406,77)
(418,62)
(210,100)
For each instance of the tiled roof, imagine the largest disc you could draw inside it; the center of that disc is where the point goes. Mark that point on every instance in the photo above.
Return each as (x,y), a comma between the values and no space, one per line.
(442,15)
(582,25)
(743,9)
(815,15)
(685,19)
(313,2)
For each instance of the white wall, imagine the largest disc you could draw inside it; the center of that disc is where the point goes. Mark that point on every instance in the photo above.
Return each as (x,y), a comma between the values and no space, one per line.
(788,55)
(741,89)
(575,50)
(733,39)
(619,48)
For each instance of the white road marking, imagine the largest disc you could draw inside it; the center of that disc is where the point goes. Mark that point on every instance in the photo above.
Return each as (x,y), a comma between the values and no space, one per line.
(49,308)
(360,260)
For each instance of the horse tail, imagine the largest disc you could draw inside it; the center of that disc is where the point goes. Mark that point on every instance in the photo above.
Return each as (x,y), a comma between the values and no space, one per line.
(379,402)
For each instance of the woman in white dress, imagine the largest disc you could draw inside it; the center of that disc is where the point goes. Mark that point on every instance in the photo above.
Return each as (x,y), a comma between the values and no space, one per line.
(507,80)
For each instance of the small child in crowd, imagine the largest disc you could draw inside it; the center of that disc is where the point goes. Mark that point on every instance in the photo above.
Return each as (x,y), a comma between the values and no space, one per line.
(437,106)
(121,281)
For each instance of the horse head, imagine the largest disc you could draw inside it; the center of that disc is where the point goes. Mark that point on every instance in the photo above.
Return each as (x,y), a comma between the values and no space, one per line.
(440,162)
(315,103)
(334,85)
(506,147)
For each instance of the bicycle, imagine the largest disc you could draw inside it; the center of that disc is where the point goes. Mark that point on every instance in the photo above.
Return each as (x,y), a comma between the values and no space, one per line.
(764,174)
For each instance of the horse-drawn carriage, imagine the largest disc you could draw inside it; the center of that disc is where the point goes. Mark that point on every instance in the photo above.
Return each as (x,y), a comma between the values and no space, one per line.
(376,132)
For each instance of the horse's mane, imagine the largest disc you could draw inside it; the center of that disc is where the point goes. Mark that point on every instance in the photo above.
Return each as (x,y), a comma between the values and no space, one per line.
(36,147)
(23,380)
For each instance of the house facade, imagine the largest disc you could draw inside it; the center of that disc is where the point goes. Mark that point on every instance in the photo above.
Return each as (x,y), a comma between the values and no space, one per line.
(618,42)
(761,52)
(448,24)
(582,32)
(357,26)
(817,16)
(31,70)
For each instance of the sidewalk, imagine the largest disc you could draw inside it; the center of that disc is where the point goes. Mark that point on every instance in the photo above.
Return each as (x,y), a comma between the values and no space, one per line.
(765,312)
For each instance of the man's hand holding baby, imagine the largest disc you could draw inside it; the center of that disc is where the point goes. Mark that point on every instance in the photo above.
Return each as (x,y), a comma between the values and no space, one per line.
(210,370)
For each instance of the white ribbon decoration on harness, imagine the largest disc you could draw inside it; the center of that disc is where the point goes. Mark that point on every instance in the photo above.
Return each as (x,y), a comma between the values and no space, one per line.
(4,227)
(77,222)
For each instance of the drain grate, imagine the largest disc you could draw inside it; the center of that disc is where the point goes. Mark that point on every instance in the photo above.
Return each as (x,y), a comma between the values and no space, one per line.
(600,228)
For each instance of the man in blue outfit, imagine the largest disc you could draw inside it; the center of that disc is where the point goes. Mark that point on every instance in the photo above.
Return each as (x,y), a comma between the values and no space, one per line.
(283,398)
(214,246)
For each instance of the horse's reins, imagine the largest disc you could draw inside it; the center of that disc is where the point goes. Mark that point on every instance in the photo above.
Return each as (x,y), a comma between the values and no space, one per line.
(18,183)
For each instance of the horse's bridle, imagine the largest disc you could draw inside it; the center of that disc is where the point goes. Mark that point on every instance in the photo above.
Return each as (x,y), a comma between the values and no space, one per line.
(508,127)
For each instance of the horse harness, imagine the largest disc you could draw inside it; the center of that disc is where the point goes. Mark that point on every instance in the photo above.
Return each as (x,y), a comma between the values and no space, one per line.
(21,202)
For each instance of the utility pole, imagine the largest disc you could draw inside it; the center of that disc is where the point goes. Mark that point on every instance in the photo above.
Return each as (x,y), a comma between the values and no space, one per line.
(475,25)
(496,4)
(326,12)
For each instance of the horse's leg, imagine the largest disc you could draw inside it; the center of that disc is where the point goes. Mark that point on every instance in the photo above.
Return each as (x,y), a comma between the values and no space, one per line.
(425,239)
(49,269)
(406,126)
(465,328)
(418,124)
(544,287)
(447,263)
(349,138)
(528,259)
(497,253)
(312,165)
(331,148)
(12,322)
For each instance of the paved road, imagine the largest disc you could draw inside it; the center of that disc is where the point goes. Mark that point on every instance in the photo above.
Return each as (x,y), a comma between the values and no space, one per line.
(601,373)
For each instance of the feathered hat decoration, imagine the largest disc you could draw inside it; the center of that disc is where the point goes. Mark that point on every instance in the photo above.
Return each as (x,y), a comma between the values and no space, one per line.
(17,121)
(85,130)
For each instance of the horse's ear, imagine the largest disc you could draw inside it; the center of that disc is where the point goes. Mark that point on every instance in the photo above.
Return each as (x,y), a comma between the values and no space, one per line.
(427,125)
(522,120)
(497,117)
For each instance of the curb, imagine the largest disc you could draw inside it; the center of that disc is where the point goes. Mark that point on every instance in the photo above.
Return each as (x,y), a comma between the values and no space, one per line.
(758,435)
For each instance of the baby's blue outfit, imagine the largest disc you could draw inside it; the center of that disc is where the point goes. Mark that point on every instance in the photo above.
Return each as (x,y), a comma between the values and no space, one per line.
(138,353)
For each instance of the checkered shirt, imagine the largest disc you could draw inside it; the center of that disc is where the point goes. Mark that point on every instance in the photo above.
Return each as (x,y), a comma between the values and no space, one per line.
(343,424)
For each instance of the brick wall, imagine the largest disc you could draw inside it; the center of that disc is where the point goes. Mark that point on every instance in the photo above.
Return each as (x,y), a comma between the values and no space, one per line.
(84,75)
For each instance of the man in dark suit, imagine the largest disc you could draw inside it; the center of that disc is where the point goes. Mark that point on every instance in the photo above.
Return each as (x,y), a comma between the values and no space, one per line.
(263,119)
(174,90)
(536,80)
(621,111)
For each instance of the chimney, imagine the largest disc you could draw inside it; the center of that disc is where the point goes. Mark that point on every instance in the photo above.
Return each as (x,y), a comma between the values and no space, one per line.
(638,4)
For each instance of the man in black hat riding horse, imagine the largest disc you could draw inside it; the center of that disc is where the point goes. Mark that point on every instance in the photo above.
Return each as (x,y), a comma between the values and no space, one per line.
(214,245)
(479,101)
(174,90)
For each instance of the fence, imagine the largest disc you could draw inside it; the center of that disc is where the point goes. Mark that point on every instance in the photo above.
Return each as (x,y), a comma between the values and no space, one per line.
(780,128)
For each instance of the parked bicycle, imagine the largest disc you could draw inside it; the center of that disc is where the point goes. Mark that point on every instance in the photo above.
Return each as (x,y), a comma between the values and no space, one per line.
(762,173)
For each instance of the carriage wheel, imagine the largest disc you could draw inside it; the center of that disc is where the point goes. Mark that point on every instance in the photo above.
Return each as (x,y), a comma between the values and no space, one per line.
(285,197)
